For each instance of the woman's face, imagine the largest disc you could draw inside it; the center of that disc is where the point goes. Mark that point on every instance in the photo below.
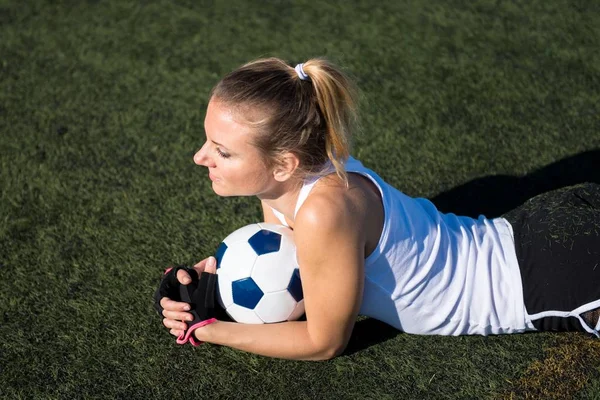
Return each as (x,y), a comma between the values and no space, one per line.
(235,166)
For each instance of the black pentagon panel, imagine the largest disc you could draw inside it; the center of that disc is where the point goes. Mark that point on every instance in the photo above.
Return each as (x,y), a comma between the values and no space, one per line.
(264,242)
(219,254)
(295,286)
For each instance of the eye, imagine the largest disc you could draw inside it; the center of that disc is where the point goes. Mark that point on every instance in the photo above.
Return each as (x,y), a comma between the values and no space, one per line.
(224,155)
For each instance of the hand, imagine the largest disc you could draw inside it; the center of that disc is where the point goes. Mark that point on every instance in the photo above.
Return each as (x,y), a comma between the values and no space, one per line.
(175,312)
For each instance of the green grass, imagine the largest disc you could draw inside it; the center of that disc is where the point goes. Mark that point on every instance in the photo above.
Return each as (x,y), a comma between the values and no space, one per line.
(101,108)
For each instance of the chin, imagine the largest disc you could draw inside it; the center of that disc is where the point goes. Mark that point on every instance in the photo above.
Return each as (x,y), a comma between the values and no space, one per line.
(220,191)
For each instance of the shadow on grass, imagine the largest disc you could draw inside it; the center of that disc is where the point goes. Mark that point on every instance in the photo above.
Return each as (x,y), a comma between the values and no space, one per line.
(495,195)
(368,332)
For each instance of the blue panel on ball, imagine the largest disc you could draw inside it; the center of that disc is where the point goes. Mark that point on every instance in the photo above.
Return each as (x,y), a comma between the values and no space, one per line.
(246,293)
(295,286)
(265,241)
(219,254)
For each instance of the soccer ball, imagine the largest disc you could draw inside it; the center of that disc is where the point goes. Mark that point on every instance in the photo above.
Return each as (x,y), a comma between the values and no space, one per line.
(258,276)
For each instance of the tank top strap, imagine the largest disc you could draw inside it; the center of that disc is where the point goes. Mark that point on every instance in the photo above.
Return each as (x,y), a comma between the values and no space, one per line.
(280,217)
(304,192)
(307,186)
(310,182)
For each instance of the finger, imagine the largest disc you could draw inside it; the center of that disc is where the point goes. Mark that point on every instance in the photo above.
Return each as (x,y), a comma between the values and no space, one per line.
(179,316)
(172,324)
(172,305)
(211,265)
(183,277)
(176,332)
(200,266)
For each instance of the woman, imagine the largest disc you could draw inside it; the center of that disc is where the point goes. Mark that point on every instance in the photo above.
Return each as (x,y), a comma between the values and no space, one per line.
(282,134)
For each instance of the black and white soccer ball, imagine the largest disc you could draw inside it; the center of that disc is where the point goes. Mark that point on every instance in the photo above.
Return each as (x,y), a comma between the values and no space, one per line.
(258,276)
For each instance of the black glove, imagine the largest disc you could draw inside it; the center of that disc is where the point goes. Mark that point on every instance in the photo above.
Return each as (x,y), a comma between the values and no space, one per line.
(199,293)
(169,287)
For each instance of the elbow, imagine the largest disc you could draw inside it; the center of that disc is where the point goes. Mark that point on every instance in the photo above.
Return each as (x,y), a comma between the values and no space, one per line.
(327,343)
(334,352)
(329,351)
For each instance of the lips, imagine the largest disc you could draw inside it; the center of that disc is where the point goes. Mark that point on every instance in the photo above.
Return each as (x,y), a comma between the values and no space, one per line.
(212,177)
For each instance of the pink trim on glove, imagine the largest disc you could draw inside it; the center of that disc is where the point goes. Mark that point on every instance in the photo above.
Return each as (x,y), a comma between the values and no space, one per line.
(188,335)
(167,270)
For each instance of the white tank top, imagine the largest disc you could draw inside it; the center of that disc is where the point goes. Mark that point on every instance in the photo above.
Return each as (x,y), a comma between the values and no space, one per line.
(435,273)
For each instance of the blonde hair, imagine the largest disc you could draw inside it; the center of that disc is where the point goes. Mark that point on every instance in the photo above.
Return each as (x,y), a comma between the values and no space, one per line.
(312,118)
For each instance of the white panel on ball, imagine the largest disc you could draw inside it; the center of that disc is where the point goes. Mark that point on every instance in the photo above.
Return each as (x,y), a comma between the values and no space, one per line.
(238,264)
(272,272)
(243,315)
(224,290)
(275,307)
(298,311)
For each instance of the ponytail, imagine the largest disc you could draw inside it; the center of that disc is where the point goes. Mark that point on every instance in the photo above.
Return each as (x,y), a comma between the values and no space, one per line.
(336,98)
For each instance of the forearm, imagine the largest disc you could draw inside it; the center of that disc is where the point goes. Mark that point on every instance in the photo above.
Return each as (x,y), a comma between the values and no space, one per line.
(289,340)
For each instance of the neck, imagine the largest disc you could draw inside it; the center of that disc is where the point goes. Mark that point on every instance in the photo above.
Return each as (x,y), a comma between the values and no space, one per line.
(284,199)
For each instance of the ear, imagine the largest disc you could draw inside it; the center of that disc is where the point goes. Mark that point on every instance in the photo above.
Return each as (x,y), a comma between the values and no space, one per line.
(286,167)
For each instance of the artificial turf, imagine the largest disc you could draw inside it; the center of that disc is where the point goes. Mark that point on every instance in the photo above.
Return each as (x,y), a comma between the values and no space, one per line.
(475,104)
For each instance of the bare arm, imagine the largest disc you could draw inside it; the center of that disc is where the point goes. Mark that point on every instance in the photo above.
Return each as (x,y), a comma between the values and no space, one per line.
(284,340)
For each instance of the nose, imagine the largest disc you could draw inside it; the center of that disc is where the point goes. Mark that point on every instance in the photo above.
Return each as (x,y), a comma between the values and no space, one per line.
(202,156)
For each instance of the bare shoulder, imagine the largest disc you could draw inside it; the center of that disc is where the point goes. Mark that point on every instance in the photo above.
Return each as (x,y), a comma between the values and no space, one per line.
(335,213)
(330,204)
(354,212)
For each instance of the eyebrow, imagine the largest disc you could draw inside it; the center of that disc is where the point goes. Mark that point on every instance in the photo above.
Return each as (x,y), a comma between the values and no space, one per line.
(219,144)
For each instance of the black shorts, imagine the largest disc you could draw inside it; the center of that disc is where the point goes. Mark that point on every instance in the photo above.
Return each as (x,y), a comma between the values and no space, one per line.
(557,241)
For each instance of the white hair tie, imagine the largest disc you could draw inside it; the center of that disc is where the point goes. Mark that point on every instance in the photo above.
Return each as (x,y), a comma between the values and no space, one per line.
(301,74)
